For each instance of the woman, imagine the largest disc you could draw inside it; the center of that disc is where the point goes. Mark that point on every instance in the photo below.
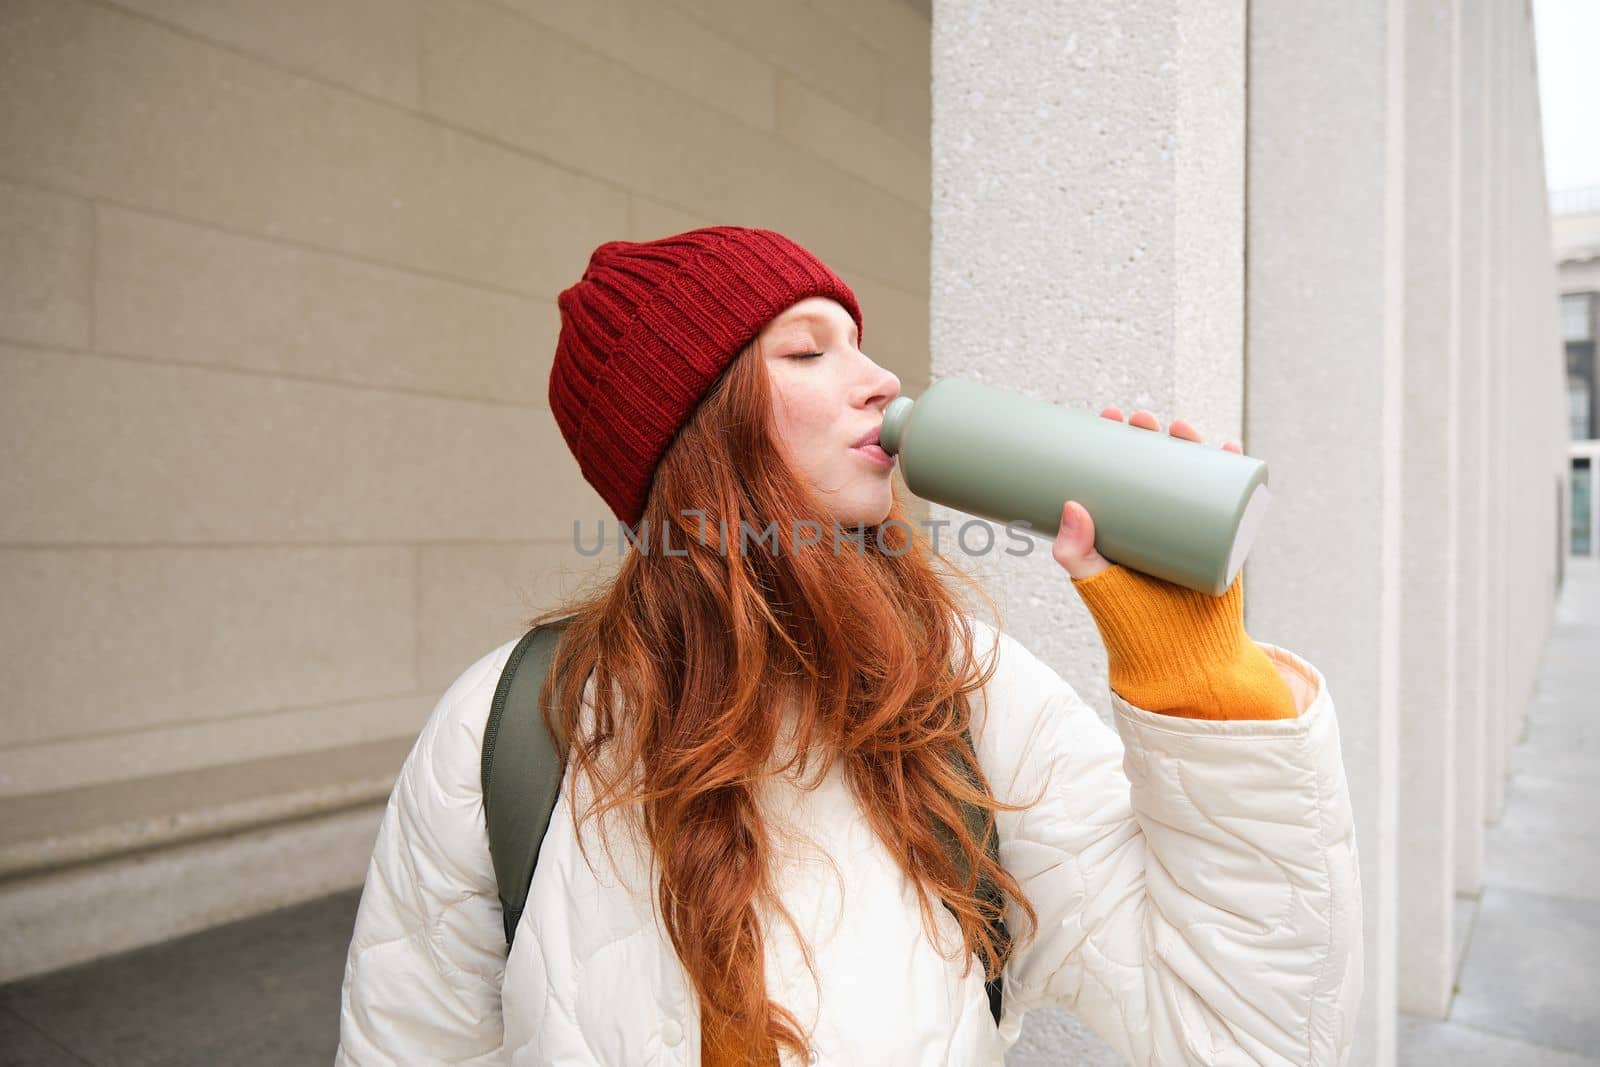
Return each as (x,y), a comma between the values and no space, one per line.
(783,723)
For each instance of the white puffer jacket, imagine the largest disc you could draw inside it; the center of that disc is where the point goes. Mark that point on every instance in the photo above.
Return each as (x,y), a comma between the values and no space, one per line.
(1196,884)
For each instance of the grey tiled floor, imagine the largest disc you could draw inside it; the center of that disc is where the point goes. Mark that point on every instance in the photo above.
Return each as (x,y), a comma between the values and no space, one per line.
(1526,992)
(265,992)
(258,993)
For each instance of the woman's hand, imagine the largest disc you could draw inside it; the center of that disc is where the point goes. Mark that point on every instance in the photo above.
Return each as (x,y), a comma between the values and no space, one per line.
(1171,650)
(1074,543)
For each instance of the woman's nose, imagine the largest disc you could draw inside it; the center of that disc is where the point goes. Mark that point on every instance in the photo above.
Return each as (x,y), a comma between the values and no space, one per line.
(885,385)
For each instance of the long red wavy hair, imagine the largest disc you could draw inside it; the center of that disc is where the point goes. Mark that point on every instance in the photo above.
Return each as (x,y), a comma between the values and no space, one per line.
(703,649)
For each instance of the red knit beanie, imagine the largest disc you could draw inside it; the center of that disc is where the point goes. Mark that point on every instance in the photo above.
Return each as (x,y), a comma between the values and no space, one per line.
(646,333)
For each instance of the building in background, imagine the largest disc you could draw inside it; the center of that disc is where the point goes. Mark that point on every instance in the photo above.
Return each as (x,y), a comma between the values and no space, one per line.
(1576,227)
(278,312)
(1577,330)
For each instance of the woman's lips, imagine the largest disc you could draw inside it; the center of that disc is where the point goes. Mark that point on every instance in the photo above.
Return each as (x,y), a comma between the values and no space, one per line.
(876,454)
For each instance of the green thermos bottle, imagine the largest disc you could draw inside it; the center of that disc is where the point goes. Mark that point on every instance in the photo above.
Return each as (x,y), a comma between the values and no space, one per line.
(1163,506)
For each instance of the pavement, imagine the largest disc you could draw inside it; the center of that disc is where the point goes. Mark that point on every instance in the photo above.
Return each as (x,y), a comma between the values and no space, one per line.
(259,993)
(265,992)
(1528,976)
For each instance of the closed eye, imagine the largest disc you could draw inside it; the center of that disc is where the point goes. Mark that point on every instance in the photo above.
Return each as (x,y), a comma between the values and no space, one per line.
(805,355)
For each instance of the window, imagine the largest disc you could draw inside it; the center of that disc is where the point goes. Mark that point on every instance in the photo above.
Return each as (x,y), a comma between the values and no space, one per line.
(1578,408)
(1575,317)
(1582,535)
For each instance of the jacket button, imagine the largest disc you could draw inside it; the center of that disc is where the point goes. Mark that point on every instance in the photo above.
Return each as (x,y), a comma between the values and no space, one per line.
(671,1032)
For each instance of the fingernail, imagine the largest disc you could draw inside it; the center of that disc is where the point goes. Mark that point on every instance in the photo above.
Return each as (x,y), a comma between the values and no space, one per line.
(1068,519)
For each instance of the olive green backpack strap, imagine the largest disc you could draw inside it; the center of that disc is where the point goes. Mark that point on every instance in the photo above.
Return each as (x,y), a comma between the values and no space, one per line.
(980,824)
(522,770)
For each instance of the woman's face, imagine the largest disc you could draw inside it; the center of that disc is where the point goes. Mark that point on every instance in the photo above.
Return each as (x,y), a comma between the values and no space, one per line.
(827,395)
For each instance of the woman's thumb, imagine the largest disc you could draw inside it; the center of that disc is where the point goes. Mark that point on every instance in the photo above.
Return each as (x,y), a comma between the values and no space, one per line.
(1074,544)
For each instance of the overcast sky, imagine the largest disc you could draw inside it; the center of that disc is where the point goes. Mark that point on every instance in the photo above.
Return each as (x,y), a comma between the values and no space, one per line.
(1568,38)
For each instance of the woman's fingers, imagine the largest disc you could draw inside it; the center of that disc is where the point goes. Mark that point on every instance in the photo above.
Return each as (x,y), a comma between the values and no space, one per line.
(1181,428)
(1146,420)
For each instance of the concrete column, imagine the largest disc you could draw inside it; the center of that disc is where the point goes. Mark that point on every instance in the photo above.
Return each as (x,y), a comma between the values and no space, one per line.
(1528,556)
(1542,386)
(1426,873)
(1496,564)
(1472,646)
(1087,247)
(1547,445)
(1531,493)
(1325,381)
(1541,373)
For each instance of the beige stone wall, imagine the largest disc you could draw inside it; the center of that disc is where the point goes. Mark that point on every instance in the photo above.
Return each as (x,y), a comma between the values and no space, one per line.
(278,309)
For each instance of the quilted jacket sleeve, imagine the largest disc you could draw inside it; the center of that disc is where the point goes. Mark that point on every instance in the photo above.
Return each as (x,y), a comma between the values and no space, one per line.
(1195,880)
(422,978)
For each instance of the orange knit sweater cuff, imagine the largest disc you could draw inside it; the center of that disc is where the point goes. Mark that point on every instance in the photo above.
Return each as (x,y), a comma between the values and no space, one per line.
(1179,652)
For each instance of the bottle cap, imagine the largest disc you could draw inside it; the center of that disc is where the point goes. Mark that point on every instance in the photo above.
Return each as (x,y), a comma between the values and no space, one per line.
(894,423)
